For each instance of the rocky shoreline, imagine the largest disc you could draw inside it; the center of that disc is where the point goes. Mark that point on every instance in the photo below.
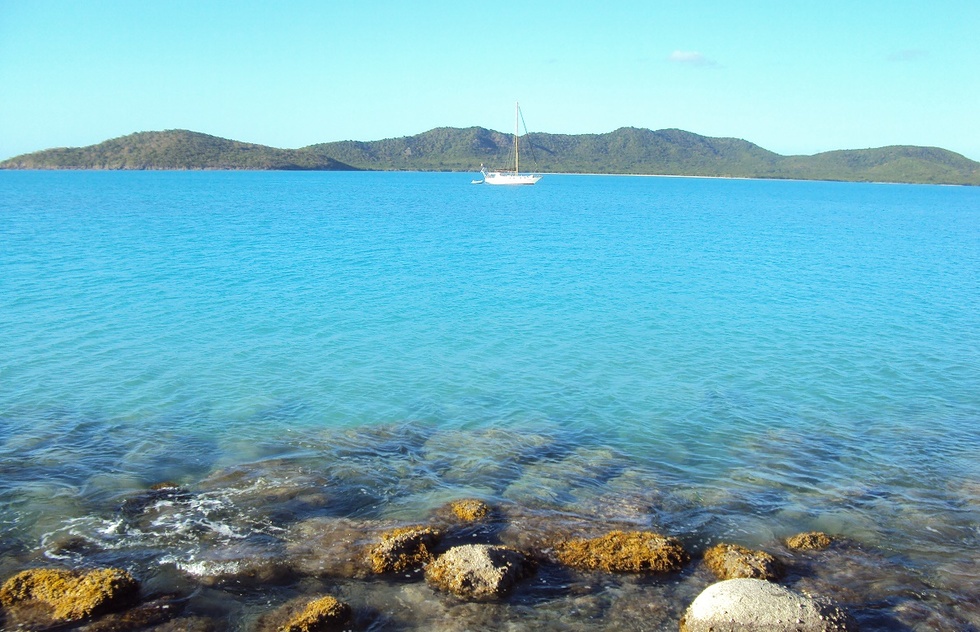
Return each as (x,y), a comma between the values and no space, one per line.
(467,552)
(475,530)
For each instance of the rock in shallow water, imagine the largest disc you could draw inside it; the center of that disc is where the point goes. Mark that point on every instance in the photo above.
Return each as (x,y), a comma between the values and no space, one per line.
(755,604)
(72,595)
(478,571)
(812,541)
(469,509)
(404,549)
(324,614)
(624,552)
(731,561)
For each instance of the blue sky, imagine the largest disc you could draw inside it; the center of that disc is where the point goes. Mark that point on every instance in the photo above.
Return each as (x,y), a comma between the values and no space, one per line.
(793,77)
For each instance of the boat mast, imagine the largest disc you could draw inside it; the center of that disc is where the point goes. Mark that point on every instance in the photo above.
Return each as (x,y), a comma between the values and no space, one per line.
(517,151)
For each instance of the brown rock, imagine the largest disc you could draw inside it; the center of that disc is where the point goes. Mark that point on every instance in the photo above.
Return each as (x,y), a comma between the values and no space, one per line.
(478,571)
(403,549)
(731,561)
(624,552)
(72,595)
(812,541)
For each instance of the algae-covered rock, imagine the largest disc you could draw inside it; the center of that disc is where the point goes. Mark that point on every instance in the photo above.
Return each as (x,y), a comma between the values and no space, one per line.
(624,552)
(323,614)
(731,561)
(478,571)
(469,509)
(403,549)
(755,604)
(812,541)
(320,615)
(72,595)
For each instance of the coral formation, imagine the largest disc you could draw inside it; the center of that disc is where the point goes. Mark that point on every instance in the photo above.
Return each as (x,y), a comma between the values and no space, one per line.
(73,595)
(812,541)
(731,561)
(478,571)
(470,509)
(319,615)
(405,548)
(624,552)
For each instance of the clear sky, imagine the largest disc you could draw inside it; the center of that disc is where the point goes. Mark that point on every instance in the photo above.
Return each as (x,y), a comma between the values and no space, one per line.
(794,77)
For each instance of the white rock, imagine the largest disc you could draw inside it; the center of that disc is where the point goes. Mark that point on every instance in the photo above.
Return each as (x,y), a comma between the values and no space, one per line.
(755,604)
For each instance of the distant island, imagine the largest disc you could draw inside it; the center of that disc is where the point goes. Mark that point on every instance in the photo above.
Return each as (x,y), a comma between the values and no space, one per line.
(627,150)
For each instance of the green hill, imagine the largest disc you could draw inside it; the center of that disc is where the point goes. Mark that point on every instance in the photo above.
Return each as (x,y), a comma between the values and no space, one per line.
(898,163)
(626,150)
(173,149)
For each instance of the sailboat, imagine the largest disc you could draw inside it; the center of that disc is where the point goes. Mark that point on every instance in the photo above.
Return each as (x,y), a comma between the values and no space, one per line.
(510,177)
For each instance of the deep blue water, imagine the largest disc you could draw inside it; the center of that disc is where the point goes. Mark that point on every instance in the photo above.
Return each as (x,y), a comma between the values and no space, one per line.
(776,356)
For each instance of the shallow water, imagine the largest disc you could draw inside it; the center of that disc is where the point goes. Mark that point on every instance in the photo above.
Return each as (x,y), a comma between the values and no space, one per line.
(719,360)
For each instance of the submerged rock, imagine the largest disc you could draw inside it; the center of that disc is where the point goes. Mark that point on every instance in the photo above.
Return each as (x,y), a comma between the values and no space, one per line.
(624,552)
(478,571)
(333,547)
(279,490)
(574,479)
(72,595)
(319,615)
(731,561)
(540,532)
(492,457)
(157,612)
(257,561)
(404,549)
(812,541)
(137,504)
(755,604)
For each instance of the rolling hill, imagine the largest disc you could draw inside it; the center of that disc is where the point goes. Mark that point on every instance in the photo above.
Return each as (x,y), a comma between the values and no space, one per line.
(626,150)
(173,149)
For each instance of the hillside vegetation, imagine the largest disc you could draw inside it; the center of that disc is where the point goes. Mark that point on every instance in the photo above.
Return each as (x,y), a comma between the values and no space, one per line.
(627,150)
(173,149)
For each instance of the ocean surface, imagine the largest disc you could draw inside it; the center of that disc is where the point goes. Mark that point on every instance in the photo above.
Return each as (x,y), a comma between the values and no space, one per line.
(718,360)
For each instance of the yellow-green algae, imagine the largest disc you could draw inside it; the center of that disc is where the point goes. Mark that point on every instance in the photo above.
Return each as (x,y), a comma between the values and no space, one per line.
(470,509)
(731,561)
(73,595)
(319,615)
(404,548)
(811,541)
(624,552)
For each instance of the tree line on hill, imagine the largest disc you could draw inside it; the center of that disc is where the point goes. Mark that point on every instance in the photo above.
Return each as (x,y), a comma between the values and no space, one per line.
(626,150)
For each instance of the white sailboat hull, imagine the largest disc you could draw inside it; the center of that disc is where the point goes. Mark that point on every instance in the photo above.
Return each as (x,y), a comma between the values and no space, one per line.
(496,177)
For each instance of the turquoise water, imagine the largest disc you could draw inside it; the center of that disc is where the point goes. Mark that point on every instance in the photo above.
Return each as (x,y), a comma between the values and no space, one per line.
(751,358)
